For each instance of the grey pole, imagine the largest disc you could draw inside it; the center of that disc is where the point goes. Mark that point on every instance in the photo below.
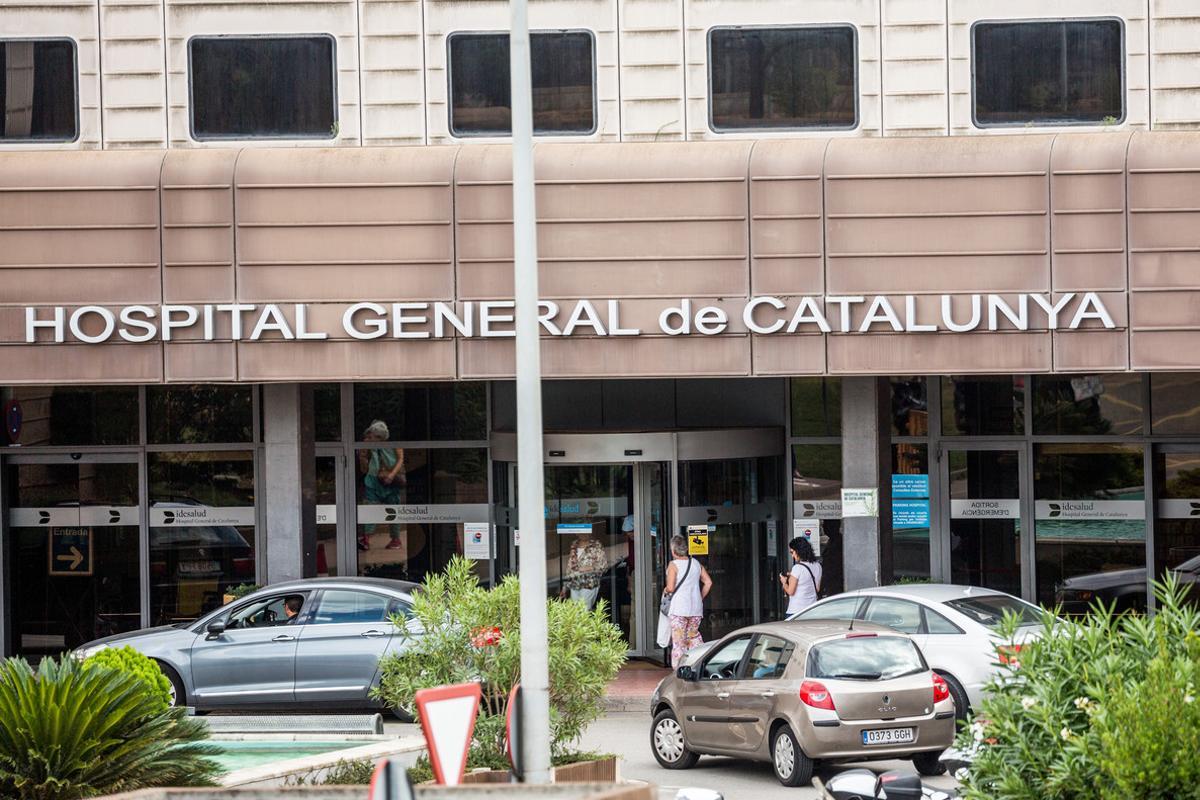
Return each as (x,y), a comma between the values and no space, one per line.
(535,672)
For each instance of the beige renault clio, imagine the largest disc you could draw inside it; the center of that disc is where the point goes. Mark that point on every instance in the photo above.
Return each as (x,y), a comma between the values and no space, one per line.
(795,693)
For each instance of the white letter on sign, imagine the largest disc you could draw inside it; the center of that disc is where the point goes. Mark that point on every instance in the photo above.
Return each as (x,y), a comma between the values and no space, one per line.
(32,323)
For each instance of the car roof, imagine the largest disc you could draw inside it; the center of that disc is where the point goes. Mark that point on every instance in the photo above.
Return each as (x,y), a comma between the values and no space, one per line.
(349,582)
(809,631)
(929,592)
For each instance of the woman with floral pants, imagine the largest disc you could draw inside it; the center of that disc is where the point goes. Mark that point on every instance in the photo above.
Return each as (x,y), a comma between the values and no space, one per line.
(688,583)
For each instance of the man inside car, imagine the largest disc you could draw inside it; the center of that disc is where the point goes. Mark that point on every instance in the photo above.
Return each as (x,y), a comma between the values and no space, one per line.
(291,608)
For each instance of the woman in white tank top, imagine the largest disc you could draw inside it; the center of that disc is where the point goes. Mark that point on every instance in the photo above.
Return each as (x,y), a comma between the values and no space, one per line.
(689,583)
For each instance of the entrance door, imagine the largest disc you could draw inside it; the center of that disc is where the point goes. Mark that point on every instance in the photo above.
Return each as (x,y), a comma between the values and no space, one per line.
(332,546)
(988,523)
(75,527)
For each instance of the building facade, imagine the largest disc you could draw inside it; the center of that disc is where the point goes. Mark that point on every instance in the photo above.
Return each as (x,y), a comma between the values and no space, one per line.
(917,280)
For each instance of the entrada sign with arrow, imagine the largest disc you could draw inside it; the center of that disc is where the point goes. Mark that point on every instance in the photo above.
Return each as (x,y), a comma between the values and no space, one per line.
(71,551)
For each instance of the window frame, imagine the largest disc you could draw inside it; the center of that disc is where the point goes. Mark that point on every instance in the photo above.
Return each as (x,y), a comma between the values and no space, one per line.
(226,137)
(1124,69)
(720,646)
(456,134)
(4,141)
(856,61)
(864,610)
(786,655)
(388,602)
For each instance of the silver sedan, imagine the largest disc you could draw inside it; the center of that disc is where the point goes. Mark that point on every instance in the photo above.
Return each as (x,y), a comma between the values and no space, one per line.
(312,643)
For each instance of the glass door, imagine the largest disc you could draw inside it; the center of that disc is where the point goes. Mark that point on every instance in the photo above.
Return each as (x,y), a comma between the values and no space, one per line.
(987,518)
(75,575)
(1177,521)
(331,517)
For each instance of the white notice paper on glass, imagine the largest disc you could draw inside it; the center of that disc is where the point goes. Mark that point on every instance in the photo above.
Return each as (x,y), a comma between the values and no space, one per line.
(477,540)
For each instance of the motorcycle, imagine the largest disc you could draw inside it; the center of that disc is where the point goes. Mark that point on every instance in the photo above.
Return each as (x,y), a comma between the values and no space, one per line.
(863,784)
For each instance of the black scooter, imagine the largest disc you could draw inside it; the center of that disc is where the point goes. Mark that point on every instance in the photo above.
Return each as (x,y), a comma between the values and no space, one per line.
(863,784)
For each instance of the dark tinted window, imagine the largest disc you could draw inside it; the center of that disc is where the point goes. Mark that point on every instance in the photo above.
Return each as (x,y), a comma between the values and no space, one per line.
(1175,403)
(990,609)
(782,77)
(327,412)
(563,85)
(865,657)
(418,412)
(37,89)
(1048,72)
(983,406)
(1088,404)
(74,415)
(266,86)
(198,414)
(816,406)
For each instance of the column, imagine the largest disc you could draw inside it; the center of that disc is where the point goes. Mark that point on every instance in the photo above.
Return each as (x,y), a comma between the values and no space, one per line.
(867,464)
(288,487)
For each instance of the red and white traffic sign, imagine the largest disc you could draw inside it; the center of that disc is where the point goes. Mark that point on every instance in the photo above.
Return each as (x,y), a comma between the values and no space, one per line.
(447,716)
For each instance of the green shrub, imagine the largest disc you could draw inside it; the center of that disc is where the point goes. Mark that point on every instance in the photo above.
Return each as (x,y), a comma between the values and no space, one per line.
(473,634)
(70,731)
(241,590)
(126,659)
(1058,723)
(344,773)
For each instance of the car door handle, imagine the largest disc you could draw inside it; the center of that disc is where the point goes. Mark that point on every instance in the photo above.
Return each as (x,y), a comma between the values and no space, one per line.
(371,634)
(767,694)
(722,695)
(283,637)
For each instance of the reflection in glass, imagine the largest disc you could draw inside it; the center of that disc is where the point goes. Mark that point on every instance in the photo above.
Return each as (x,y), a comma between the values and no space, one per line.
(208,414)
(1177,526)
(562,74)
(910,406)
(421,412)
(782,77)
(38,90)
(1091,405)
(1175,403)
(56,612)
(816,405)
(327,523)
(76,415)
(327,412)
(1103,532)
(270,86)
(985,525)
(192,563)
(910,541)
(1049,72)
(983,406)
(817,475)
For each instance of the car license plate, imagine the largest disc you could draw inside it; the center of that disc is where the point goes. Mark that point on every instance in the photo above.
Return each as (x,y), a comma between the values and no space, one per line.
(889,736)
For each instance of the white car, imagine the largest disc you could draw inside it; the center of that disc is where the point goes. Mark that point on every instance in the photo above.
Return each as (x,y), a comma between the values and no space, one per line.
(954,625)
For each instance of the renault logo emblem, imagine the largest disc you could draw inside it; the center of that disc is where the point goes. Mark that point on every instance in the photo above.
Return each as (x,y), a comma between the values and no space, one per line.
(887,700)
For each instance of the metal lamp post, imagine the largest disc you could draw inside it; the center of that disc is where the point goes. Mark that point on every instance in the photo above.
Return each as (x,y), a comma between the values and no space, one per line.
(535,673)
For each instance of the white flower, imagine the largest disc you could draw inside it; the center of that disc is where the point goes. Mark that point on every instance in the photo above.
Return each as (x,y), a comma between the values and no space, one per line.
(977,731)
(1187,698)
(1065,733)
(1082,702)
(1029,702)
(961,774)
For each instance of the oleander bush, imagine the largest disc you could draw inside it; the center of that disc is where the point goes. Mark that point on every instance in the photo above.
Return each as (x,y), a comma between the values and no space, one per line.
(1102,707)
(70,730)
(126,659)
(462,631)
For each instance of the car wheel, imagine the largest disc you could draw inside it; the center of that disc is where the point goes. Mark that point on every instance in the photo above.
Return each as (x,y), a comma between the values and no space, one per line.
(178,695)
(792,766)
(962,705)
(928,764)
(402,715)
(666,740)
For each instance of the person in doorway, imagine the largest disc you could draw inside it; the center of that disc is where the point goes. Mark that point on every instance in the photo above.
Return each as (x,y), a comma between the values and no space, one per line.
(688,583)
(802,583)
(586,566)
(383,480)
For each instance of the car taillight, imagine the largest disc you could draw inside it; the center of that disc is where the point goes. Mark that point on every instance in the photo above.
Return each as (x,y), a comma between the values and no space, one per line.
(941,690)
(813,693)
(1008,654)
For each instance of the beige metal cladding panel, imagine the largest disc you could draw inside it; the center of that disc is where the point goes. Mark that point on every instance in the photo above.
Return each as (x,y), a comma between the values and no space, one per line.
(703,15)
(445,17)
(1175,64)
(937,215)
(915,100)
(56,364)
(585,357)
(344,360)
(336,18)
(79,226)
(651,48)
(965,13)
(345,224)
(629,220)
(783,354)
(197,237)
(135,88)
(786,241)
(393,72)
(58,19)
(917,354)
(1164,249)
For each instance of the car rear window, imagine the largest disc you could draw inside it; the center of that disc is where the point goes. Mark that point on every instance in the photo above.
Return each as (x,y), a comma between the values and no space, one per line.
(868,658)
(989,609)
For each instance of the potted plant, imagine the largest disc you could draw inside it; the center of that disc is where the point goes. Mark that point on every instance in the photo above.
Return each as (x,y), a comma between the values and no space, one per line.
(239,591)
(471,633)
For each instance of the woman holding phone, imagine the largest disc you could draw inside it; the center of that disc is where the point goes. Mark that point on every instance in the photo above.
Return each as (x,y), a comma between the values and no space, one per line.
(802,584)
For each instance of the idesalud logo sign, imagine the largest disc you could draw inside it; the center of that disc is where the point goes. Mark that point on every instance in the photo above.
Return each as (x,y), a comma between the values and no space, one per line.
(765,315)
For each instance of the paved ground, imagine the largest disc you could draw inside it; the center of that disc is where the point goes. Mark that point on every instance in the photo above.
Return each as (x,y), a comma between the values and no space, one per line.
(628,735)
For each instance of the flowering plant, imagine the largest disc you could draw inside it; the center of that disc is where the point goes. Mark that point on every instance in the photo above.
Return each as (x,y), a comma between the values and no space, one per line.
(486,637)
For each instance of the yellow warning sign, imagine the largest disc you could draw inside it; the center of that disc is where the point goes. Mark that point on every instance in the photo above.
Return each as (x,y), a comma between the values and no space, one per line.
(697,540)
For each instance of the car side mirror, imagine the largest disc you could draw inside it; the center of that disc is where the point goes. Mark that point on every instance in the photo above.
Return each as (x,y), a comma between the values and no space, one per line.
(686,673)
(215,629)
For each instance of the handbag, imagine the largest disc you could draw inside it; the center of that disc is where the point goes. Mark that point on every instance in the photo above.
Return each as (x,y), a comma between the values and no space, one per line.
(664,604)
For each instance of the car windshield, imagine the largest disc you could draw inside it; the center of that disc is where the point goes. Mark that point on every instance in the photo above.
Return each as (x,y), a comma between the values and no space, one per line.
(989,609)
(865,658)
